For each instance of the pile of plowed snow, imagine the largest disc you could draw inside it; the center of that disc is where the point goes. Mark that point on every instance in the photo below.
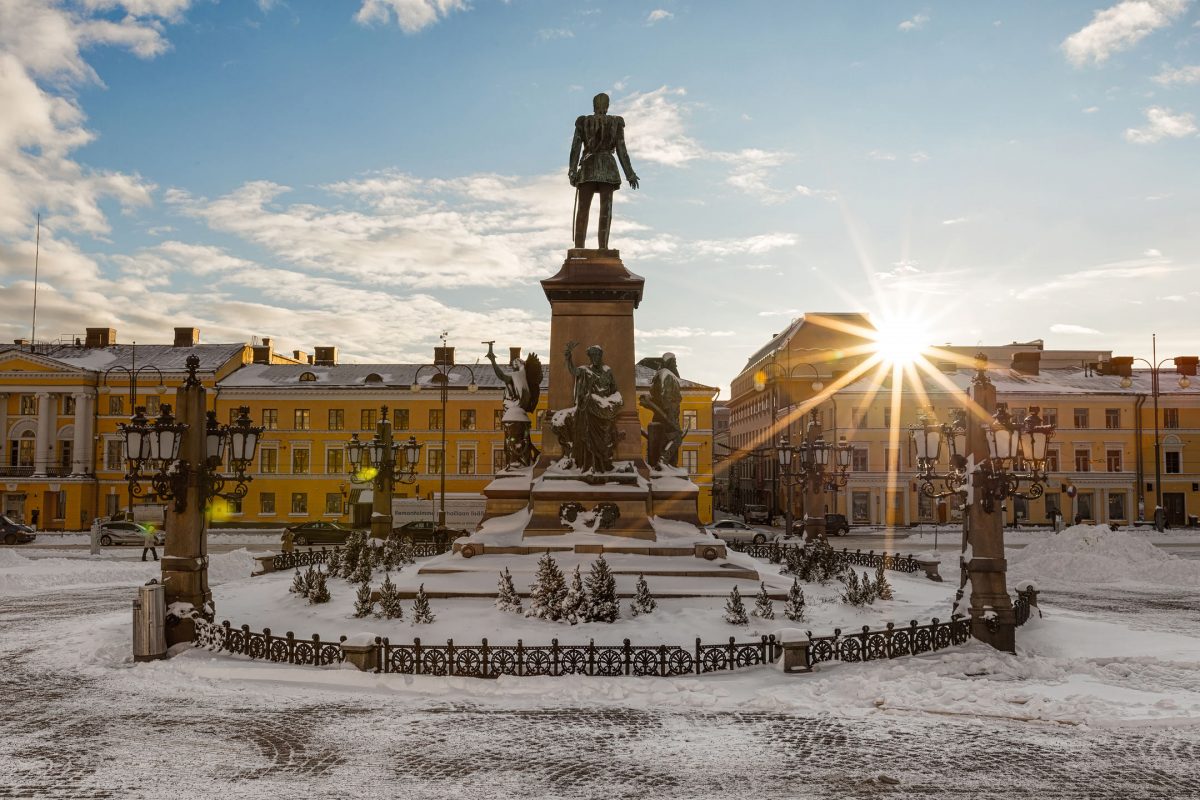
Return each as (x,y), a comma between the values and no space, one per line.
(22,575)
(1097,554)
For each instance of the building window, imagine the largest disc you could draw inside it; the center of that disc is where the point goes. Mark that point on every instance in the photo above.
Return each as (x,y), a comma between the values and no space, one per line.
(266,503)
(299,503)
(68,404)
(887,416)
(301,419)
(1083,505)
(1173,462)
(1170,417)
(1052,459)
(1112,418)
(300,463)
(1113,458)
(1081,418)
(1116,506)
(466,419)
(114,455)
(435,419)
(924,508)
(1018,415)
(268,460)
(234,505)
(499,462)
(1053,505)
(307,377)
(859,419)
(691,419)
(64,454)
(498,418)
(891,459)
(337,419)
(1050,416)
(466,462)
(333,503)
(29,404)
(366,419)
(858,461)
(270,419)
(400,419)
(1083,461)
(334,460)
(433,459)
(689,461)
(116,405)
(860,506)
(154,405)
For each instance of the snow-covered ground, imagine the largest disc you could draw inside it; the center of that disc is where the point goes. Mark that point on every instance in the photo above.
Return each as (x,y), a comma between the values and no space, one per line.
(1099,701)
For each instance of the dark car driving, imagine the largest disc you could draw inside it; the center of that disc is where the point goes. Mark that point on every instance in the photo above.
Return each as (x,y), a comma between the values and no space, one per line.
(836,525)
(424,530)
(13,532)
(319,532)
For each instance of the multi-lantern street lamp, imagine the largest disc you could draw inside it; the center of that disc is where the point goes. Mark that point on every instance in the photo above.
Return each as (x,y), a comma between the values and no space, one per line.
(383,462)
(816,465)
(152,451)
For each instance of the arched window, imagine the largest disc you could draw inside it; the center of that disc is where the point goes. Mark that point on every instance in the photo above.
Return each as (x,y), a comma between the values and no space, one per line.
(307,377)
(374,377)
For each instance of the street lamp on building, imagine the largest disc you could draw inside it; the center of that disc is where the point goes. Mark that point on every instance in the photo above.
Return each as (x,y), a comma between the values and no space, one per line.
(441,372)
(1185,367)
(817,465)
(383,462)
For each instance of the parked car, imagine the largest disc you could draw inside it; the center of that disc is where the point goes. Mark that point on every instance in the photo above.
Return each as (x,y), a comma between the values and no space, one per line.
(318,532)
(759,514)
(836,525)
(127,532)
(424,530)
(733,530)
(13,532)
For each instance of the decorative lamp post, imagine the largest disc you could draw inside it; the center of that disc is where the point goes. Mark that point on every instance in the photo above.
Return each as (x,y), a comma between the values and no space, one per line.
(816,465)
(181,459)
(1185,367)
(382,463)
(133,372)
(441,372)
(928,437)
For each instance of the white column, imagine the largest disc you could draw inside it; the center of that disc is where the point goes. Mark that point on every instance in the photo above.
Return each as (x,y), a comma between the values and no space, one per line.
(79,444)
(43,441)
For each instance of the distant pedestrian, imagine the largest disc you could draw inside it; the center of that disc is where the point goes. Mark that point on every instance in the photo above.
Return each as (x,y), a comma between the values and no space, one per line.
(1058,521)
(148,534)
(95,536)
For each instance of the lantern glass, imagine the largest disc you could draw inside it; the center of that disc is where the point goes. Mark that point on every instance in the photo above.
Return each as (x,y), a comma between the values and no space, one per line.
(214,442)
(845,455)
(784,452)
(135,440)
(821,452)
(354,451)
(412,452)
(378,451)
(1002,442)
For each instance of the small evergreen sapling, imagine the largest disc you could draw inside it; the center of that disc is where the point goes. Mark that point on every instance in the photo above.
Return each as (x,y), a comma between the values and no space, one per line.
(576,600)
(643,601)
(548,591)
(318,590)
(735,609)
(762,604)
(421,614)
(390,606)
(883,588)
(508,599)
(602,603)
(794,608)
(868,589)
(363,569)
(354,544)
(851,591)
(363,604)
(334,562)
(299,583)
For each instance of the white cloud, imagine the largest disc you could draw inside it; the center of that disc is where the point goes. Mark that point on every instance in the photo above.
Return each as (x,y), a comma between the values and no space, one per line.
(548,34)
(411,15)
(881,155)
(782,312)
(1152,253)
(1174,298)
(1135,269)
(1066,328)
(954,221)
(1189,74)
(901,269)
(750,245)
(1162,124)
(1119,28)
(658,15)
(918,157)
(1091,109)
(655,123)
(914,23)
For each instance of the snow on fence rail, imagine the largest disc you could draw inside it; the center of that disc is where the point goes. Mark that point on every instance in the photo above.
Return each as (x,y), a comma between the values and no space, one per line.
(776,552)
(307,558)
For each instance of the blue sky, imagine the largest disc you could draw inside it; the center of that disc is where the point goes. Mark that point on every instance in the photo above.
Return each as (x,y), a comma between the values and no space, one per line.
(369,173)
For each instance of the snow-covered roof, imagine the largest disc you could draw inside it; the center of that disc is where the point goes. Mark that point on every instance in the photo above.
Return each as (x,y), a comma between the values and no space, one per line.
(1068,381)
(370,376)
(163,356)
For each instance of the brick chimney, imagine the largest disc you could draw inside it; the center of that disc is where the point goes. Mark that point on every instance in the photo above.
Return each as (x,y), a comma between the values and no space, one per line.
(326,356)
(187,337)
(262,352)
(513,354)
(1121,365)
(1026,363)
(101,337)
(300,356)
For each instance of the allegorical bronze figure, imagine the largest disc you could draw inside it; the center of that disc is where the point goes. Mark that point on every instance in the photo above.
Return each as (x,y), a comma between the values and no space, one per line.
(592,422)
(522,388)
(593,170)
(664,436)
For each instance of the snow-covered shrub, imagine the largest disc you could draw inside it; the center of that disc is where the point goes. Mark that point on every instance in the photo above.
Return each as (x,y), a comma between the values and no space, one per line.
(507,599)
(318,589)
(390,606)
(333,564)
(575,602)
(602,605)
(762,604)
(883,587)
(548,590)
(794,608)
(643,602)
(363,604)
(851,590)
(735,609)
(867,588)
(421,614)
(300,583)
(350,554)
(363,568)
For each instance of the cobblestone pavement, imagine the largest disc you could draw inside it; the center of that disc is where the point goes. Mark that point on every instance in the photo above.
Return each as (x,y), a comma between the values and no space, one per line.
(83,730)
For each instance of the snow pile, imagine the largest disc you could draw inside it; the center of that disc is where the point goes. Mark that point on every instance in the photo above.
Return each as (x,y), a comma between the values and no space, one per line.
(1097,554)
(21,575)
(232,566)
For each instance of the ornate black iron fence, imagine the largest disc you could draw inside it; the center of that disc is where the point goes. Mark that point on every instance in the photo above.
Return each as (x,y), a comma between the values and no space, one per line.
(777,552)
(892,642)
(306,558)
(488,661)
(285,649)
(1025,603)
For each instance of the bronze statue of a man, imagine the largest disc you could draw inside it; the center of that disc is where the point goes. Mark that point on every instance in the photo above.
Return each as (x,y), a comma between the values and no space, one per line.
(596,137)
(593,433)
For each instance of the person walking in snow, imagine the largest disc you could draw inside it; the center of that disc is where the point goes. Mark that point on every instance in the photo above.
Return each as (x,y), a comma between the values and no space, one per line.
(148,535)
